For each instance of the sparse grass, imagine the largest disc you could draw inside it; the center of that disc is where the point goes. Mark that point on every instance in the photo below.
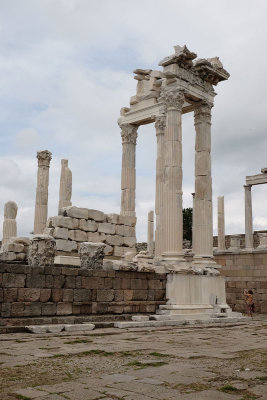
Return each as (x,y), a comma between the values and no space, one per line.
(96,351)
(79,341)
(229,389)
(192,387)
(141,365)
(161,355)
(21,397)
(262,378)
(58,356)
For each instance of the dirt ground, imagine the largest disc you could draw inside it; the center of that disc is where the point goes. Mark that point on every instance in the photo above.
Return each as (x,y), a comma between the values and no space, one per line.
(187,363)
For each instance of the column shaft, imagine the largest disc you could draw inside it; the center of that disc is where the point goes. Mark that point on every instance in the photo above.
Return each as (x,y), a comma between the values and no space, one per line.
(248,217)
(160,128)
(41,202)
(172,223)
(221,223)
(203,227)
(128,173)
(150,233)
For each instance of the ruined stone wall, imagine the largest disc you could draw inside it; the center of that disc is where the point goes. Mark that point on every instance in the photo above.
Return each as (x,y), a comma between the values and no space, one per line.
(76,225)
(245,271)
(256,240)
(62,290)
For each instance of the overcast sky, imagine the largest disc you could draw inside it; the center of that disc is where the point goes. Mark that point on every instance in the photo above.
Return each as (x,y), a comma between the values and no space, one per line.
(66,70)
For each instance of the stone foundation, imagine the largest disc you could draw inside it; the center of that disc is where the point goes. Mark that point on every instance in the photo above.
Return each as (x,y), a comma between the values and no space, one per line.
(61,290)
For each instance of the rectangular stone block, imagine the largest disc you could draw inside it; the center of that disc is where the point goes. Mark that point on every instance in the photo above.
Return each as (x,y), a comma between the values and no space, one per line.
(92,282)
(129,231)
(14,280)
(96,237)
(45,295)
(75,212)
(70,282)
(35,281)
(6,309)
(79,327)
(60,233)
(118,251)
(108,250)
(65,222)
(10,295)
(64,308)
(114,240)
(59,281)
(119,230)
(68,295)
(105,295)
(113,218)
(88,225)
(17,309)
(28,294)
(98,216)
(105,227)
(77,235)
(129,241)
(83,295)
(66,245)
(139,295)
(70,271)
(57,295)
(32,309)
(127,220)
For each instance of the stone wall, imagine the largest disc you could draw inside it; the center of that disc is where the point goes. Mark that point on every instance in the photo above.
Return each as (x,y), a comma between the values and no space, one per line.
(76,225)
(62,290)
(245,271)
(256,240)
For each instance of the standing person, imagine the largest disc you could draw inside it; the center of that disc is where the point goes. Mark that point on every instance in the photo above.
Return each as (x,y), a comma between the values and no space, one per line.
(249,300)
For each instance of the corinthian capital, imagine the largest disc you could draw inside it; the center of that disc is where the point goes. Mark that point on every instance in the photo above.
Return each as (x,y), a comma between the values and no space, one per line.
(128,133)
(174,99)
(203,111)
(44,157)
(160,124)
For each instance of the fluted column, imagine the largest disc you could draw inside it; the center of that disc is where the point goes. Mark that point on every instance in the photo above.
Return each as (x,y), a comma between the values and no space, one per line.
(221,223)
(10,223)
(128,173)
(65,188)
(203,226)
(248,217)
(160,129)
(150,233)
(193,218)
(172,224)
(41,202)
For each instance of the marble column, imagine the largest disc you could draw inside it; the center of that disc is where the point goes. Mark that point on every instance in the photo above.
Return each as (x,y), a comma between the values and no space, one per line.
(248,218)
(65,188)
(150,234)
(221,224)
(172,224)
(203,227)
(10,223)
(128,172)
(193,230)
(160,129)
(41,202)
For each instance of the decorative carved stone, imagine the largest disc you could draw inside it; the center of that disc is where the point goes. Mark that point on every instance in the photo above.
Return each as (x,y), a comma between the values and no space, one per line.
(160,124)
(174,99)
(65,189)
(92,255)
(9,224)
(44,157)
(42,250)
(129,133)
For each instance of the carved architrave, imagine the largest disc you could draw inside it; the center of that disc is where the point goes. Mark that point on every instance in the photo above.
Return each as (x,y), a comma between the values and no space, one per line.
(44,157)
(129,133)
(202,112)
(160,124)
(174,99)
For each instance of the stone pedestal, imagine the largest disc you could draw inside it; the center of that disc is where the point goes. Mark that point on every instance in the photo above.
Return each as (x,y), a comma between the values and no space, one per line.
(248,218)
(235,242)
(203,226)
(263,240)
(65,188)
(172,224)
(42,250)
(221,224)
(159,238)
(9,224)
(41,202)
(128,173)
(92,255)
(150,234)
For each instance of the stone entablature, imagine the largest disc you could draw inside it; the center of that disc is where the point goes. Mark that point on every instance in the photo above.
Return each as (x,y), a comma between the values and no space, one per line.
(62,290)
(76,225)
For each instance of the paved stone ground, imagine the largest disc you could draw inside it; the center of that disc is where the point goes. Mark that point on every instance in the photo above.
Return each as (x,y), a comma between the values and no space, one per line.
(186,363)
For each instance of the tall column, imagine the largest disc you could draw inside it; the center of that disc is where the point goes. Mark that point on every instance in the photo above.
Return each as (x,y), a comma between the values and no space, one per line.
(160,129)
(248,217)
(193,218)
(150,233)
(203,227)
(41,202)
(172,224)
(65,188)
(221,223)
(128,173)
(10,223)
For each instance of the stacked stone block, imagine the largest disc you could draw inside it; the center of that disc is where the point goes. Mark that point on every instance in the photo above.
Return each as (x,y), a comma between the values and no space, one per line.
(27,291)
(16,249)
(76,225)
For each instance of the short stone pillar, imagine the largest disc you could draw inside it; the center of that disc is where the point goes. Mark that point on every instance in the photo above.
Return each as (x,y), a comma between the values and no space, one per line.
(235,243)
(92,255)
(128,173)
(248,217)
(42,250)
(65,189)
(41,202)
(221,224)
(150,234)
(9,224)
(263,240)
